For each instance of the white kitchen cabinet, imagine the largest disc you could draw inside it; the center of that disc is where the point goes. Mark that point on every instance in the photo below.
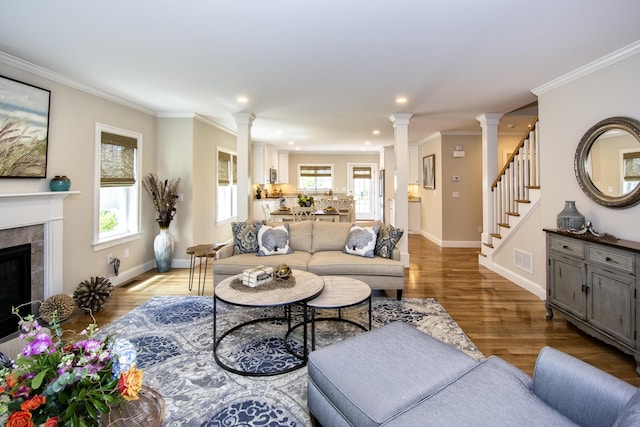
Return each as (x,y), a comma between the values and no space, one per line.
(415,221)
(262,162)
(283,167)
(414,164)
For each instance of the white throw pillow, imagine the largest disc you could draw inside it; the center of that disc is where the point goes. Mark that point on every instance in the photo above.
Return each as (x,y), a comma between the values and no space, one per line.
(273,240)
(362,241)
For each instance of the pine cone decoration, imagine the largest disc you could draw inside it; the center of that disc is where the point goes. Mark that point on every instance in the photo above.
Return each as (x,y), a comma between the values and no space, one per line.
(62,305)
(91,294)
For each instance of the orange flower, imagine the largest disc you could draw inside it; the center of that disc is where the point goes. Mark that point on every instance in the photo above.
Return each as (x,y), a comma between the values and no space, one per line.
(20,419)
(2,389)
(130,383)
(33,403)
(52,422)
(11,381)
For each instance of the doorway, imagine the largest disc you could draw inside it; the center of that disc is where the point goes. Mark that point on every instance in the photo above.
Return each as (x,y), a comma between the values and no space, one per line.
(361,185)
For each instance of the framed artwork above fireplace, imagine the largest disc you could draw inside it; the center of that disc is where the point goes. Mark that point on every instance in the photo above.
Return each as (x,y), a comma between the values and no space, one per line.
(24,129)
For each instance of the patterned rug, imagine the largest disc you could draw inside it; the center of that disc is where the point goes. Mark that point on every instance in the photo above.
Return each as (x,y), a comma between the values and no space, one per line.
(174,338)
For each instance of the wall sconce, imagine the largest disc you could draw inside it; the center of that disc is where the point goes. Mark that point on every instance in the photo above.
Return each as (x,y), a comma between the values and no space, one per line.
(458,152)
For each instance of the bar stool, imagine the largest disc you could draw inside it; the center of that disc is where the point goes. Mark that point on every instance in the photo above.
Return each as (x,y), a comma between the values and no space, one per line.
(206,252)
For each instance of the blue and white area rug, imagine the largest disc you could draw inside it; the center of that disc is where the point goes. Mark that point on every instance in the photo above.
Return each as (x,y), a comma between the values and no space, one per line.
(174,338)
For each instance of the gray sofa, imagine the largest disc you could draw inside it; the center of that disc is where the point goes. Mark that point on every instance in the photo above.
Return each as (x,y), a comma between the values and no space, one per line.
(317,248)
(399,376)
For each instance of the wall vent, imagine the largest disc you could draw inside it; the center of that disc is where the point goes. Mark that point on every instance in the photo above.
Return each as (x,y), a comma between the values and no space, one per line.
(523,260)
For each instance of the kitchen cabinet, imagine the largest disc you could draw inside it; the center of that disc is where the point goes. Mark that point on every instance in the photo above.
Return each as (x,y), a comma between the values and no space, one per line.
(415,163)
(415,220)
(593,283)
(262,162)
(283,167)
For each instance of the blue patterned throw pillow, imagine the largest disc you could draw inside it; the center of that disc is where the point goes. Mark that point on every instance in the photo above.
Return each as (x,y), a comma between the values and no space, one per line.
(5,361)
(362,241)
(273,240)
(245,237)
(388,238)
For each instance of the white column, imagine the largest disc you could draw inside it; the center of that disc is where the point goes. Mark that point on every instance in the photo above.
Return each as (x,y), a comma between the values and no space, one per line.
(243,148)
(401,149)
(489,124)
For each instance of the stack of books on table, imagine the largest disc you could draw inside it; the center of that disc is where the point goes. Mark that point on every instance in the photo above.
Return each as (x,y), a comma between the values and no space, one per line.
(254,277)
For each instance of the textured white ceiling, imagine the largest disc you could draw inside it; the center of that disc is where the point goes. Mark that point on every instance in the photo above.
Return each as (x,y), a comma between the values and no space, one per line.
(322,74)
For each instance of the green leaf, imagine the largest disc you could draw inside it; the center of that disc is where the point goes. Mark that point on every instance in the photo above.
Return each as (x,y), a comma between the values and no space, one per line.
(37,380)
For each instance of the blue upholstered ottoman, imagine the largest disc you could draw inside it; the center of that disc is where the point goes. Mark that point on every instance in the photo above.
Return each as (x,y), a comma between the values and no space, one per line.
(368,379)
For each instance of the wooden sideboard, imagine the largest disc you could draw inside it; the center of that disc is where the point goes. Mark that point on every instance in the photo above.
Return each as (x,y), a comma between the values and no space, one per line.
(594,283)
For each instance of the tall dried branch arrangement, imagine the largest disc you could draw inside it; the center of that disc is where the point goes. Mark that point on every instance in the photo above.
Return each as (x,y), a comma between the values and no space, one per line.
(164,194)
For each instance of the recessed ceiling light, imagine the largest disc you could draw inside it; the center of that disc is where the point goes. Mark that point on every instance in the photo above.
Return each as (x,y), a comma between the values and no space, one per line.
(290,142)
(401,100)
(376,132)
(279,132)
(242,99)
(367,143)
(297,148)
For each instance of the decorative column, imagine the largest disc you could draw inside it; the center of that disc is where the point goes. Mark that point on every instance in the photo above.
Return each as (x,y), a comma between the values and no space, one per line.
(401,149)
(243,148)
(489,124)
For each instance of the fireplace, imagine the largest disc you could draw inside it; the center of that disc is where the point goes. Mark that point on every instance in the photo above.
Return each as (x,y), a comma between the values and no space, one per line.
(36,219)
(15,277)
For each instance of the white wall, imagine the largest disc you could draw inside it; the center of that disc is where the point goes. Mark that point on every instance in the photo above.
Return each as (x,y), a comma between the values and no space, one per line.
(566,113)
(72,120)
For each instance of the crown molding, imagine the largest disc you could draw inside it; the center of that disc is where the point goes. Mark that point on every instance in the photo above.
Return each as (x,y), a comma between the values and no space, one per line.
(29,67)
(590,68)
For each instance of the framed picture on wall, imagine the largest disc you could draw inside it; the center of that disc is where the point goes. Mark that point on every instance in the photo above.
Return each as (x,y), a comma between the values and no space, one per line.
(24,129)
(429,171)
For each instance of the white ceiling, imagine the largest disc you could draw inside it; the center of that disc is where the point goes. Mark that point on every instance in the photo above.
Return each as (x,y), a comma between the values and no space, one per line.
(320,73)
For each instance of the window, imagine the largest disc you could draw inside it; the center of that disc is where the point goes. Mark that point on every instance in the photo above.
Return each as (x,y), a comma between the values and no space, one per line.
(315,177)
(118,204)
(227,206)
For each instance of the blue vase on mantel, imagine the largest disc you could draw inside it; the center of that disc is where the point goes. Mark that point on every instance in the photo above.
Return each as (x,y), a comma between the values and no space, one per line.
(60,183)
(570,218)
(163,247)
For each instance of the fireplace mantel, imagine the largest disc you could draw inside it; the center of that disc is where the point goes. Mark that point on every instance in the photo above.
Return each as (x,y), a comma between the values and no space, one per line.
(25,209)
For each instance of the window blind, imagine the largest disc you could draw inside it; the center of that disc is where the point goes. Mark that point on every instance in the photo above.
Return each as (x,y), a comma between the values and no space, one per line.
(361,172)
(117,160)
(315,170)
(223,167)
(631,166)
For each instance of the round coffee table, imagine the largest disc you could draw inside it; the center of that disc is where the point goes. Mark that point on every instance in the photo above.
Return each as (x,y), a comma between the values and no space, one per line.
(307,286)
(339,292)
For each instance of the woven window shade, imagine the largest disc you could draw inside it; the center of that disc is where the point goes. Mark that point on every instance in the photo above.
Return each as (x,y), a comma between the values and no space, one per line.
(117,160)
(361,173)
(315,170)
(234,167)
(632,166)
(223,167)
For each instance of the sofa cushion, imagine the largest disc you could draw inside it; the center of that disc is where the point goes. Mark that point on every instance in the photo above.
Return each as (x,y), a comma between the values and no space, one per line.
(631,415)
(338,263)
(238,263)
(388,237)
(374,376)
(329,236)
(362,241)
(300,235)
(273,240)
(493,393)
(245,236)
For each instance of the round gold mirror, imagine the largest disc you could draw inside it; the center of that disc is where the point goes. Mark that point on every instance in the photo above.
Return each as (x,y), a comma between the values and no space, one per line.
(607,162)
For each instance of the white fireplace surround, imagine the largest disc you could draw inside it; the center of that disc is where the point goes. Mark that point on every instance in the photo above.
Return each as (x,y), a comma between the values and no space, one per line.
(46,208)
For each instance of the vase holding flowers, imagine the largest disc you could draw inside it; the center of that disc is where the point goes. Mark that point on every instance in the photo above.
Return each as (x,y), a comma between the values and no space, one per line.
(164,194)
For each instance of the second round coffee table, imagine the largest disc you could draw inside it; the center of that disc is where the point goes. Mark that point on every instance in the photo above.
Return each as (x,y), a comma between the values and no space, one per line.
(339,292)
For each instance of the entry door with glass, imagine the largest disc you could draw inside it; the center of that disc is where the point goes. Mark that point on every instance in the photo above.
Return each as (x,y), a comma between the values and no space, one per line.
(362,185)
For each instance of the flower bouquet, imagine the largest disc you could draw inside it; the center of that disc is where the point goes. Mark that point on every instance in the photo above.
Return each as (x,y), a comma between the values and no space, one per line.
(305,201)
(58,383)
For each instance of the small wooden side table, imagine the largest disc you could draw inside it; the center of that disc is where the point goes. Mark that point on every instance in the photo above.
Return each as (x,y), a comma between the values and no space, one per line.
(206,252)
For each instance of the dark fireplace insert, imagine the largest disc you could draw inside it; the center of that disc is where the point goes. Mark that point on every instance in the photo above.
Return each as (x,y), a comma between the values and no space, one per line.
(15,285)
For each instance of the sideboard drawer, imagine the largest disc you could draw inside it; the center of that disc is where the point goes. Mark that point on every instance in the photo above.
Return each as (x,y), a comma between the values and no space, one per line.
(573,248)
(612,259)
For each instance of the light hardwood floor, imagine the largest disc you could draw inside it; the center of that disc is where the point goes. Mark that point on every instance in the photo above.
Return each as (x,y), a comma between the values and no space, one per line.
(500,318)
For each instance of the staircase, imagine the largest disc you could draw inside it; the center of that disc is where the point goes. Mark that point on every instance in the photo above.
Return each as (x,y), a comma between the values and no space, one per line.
(515,192)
